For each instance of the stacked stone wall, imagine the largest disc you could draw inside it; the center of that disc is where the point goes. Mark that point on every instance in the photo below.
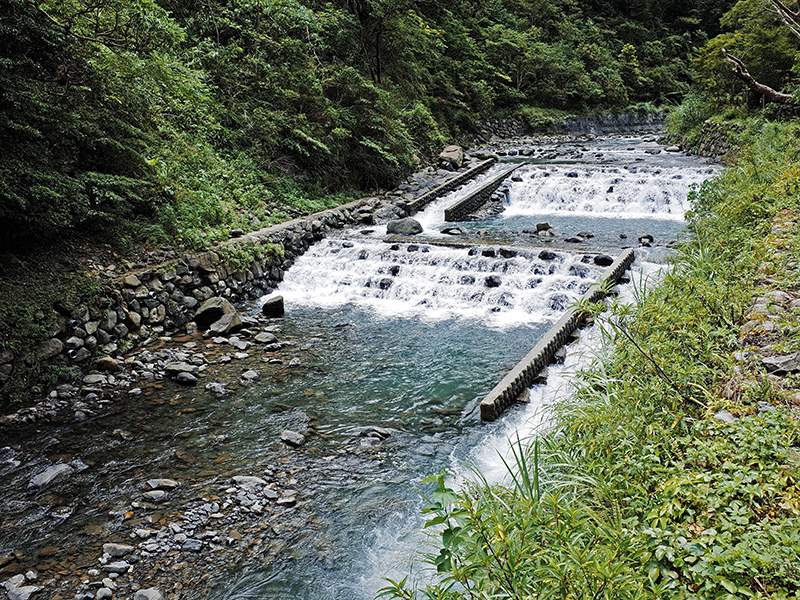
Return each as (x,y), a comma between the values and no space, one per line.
(716,139)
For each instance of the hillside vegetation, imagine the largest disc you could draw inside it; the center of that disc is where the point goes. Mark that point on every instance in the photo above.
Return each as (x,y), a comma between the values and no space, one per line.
(173,121)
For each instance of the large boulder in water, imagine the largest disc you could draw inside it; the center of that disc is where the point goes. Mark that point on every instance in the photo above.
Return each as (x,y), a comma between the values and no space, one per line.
(212,311)
(407,226)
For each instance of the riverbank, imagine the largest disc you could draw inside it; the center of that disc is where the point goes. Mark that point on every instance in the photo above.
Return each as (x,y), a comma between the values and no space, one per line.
(673,470)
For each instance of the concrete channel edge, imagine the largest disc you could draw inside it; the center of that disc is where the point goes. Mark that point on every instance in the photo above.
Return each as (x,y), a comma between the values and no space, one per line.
(527,371)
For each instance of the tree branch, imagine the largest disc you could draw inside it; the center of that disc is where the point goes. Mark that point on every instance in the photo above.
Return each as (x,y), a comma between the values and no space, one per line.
(789,17)
(741,72)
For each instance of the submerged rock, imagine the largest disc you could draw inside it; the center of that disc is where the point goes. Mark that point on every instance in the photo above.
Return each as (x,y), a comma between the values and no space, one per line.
(49,476)
(293,438)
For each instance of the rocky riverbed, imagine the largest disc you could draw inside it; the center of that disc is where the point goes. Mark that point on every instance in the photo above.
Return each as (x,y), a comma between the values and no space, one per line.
(115,518)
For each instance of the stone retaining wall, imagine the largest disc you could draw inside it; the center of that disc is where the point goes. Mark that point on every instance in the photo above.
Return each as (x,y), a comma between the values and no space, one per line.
(715,139)
(466,206)
(508,128)
(529,368)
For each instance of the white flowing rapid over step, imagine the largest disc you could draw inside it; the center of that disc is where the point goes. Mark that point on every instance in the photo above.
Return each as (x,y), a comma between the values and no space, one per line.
(508,285)
(630,191)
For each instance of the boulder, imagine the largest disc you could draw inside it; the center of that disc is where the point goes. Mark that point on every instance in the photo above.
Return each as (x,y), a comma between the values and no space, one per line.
(452,156)
(16,590)
(492,281)
(117,550)
(545,226)
(273,307)
(265,338)
(603,260)
(176,367)
(547,255)
(452,231)
(162,484)
(149,594)
(782,365)
(49,349)
(107,364)
(227,324)
(212,311)
(407,226)
(186,378)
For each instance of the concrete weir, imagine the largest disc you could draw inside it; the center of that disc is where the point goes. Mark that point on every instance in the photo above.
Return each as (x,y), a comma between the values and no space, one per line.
(419,203)
(526,372)
(472,202)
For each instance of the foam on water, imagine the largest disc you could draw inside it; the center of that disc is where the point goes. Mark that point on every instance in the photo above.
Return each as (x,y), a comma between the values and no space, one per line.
(503,285)
(629,191)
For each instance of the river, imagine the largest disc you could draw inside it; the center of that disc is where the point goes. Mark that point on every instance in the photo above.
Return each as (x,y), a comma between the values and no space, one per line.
(396,344)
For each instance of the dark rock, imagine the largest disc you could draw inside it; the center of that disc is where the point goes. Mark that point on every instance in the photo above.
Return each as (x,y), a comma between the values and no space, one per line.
(547,255)
(407,226)
(452,231)
(186,378)
(489,252)
(506,253)
(273,307)
(574,240)
(466,280)
(385,283)
(492,281)
(212,311)
(603,260)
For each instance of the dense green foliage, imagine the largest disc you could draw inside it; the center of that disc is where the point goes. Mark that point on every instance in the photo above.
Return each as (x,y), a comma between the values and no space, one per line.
(639,492)
(180,119)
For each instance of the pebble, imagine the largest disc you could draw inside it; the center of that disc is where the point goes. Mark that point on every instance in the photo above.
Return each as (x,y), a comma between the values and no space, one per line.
(149,594)
(118,567)
(293,438)
(117,550)
(162,484)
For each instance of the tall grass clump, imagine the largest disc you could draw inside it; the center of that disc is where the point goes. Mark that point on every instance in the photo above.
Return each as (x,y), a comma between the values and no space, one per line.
(639,491)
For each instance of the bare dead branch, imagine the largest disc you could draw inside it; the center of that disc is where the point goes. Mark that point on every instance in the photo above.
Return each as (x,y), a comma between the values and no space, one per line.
(741,72)
(790,18)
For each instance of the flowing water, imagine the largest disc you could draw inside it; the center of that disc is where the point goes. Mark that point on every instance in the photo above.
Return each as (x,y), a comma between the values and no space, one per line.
(397,335)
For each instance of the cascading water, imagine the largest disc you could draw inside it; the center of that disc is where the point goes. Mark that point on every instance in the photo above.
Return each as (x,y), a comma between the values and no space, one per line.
(403,335)
(434,282)
(631,191)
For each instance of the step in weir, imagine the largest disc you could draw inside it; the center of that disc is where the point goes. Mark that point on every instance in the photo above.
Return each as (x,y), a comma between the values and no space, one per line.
(528,370)
(472,202)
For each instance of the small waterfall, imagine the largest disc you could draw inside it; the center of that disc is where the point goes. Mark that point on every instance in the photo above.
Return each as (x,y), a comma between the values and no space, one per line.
(629,191)
(436,282)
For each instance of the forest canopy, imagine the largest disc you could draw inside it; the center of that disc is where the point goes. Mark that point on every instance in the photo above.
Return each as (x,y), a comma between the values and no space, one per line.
(176,120)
